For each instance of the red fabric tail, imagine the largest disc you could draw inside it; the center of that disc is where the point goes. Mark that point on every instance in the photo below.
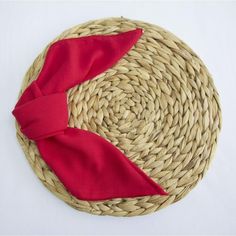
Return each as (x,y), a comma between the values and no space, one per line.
(94,169)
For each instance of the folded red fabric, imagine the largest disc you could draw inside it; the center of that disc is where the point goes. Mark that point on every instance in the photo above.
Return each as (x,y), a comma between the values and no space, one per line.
(90,167)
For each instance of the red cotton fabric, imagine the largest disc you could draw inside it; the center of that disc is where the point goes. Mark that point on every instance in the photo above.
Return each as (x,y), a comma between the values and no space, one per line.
(90,167)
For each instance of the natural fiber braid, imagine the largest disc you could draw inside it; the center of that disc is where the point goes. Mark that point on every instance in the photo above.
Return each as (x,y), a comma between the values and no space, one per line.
(158,105)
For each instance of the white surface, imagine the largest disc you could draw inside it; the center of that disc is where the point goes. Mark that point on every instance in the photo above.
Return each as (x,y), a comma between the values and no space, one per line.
(27,207)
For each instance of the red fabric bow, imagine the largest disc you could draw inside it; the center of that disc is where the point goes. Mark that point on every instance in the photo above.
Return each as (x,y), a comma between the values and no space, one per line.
(90,167)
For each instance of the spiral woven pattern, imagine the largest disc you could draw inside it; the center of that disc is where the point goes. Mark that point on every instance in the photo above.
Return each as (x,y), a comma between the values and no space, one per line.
(158,105)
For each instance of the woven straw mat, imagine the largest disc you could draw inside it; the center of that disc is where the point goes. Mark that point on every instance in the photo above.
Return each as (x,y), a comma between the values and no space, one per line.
(158,105)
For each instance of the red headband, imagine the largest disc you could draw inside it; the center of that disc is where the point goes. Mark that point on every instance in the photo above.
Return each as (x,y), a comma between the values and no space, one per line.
(90,167)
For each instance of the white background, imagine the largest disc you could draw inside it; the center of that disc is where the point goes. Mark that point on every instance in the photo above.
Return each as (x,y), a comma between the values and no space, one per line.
(27,207)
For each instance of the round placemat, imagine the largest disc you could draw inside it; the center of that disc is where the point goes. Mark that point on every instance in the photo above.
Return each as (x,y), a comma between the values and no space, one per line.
(158,105)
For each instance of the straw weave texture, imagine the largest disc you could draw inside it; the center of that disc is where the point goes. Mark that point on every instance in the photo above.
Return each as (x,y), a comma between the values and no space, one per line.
(158,105)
